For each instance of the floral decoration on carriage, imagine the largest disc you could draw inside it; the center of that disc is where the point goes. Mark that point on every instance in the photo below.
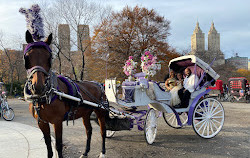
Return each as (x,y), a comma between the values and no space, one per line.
(130,67)
(149,65)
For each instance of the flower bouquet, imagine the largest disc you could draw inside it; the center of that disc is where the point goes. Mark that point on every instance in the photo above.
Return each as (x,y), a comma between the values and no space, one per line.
(130,67)
(149,64)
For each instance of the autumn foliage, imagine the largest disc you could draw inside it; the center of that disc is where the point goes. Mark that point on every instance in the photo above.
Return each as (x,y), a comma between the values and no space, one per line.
(244,73)
(130,32)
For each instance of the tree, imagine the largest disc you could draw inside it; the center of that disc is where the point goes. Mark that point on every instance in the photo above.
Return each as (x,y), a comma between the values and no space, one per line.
(11,67)
(244,73)
(75,13)
(130,33)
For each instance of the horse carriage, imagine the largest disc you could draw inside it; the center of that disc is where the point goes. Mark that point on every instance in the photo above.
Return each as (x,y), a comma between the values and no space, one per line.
(238,89)
(219,91)
(54,99)
(206,115)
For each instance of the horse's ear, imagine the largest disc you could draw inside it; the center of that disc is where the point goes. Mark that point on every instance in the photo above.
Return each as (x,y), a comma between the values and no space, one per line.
(49,39)
(28,37)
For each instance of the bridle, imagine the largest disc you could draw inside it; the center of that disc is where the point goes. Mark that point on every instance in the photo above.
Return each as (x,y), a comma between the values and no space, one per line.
(46,95)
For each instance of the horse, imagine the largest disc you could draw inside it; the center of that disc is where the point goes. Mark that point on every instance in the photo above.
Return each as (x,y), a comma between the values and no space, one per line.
(38,60)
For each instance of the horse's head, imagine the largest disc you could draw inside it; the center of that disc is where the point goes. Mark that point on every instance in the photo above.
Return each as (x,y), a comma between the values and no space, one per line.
(37,56)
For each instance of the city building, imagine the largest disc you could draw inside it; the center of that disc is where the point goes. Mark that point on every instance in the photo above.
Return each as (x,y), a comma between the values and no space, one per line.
(82,44)
(239,62)
(213,54)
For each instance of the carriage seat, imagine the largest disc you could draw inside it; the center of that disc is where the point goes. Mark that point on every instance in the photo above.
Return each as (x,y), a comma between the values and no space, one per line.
(160,93)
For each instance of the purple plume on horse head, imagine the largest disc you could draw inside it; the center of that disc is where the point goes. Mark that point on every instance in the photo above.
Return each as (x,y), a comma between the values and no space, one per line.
(34,21)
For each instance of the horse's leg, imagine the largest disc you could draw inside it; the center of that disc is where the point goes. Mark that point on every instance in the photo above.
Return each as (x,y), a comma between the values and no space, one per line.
(88,127)
(46,134)
(101,119)
(58,133)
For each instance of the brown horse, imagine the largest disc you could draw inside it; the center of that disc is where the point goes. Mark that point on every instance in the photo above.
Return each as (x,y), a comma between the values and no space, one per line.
(38,58)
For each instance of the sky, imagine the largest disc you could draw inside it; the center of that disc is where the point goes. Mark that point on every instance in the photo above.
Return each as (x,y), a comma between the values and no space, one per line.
(231,19)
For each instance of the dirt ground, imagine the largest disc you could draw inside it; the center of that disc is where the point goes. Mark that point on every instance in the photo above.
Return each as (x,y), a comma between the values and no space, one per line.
(232,141)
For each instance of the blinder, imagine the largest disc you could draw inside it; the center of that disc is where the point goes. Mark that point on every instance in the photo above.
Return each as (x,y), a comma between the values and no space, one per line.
(36,45)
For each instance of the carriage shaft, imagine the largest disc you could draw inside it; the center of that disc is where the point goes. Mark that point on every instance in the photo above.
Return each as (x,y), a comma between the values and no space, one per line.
(92,104)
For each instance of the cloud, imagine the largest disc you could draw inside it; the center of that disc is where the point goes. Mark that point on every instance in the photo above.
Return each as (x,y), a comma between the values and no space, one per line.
(231,19)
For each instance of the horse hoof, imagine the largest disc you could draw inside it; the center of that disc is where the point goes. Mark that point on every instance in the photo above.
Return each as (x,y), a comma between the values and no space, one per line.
(102,155)
(83,156)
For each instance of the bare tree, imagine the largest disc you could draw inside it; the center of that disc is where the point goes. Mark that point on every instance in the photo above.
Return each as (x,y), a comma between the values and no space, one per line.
(79,15)
(11,66)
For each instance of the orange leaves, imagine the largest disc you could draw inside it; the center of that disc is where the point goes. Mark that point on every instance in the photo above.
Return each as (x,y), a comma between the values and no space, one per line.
(244,73)
(130,33)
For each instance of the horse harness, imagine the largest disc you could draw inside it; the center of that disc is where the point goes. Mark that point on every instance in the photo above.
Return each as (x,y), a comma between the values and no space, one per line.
(51,86)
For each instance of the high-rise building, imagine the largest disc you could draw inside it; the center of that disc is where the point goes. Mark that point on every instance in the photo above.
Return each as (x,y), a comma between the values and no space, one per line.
(213,54)
(82,44)
(213,39)
(64,37)
(198,40)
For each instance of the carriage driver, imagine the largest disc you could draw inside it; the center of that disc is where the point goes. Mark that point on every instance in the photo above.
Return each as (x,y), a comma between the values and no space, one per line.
(188,87)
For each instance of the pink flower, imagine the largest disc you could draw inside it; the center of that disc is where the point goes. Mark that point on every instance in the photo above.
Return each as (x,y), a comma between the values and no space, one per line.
(130,57)
(147,52)
(126,72)
(142,57)
(150,56)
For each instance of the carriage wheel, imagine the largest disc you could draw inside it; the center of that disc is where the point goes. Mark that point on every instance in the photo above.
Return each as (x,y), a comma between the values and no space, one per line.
(171,120)
(8,114)
(208,118)
(109,133)
(150,126)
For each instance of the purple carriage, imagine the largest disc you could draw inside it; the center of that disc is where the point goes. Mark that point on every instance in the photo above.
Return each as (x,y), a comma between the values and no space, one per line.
(206,115)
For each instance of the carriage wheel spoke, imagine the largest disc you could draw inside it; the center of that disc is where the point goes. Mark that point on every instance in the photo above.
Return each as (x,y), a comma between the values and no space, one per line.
(216,121)
(212,121)
(176,123)
(217,113)
(182,118)
(199,123)
(198,118)
(211,109)
(170,117)
(202,109)
(202,126)
(215,109)
(207,106)
(217,117)
(173,120)
(199,113)
(208,127)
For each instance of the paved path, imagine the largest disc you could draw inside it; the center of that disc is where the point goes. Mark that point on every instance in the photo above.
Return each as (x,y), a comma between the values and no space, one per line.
(22,141)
